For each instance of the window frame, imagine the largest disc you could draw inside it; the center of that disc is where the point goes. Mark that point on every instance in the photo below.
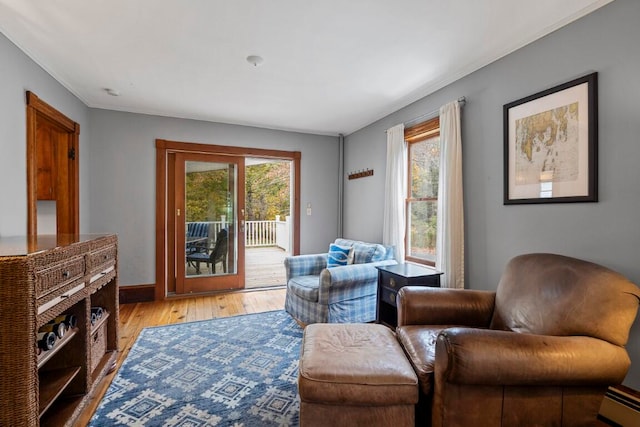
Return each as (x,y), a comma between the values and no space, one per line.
(412,135)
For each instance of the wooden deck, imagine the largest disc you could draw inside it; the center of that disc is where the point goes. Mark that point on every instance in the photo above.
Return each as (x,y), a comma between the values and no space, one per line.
(264,267)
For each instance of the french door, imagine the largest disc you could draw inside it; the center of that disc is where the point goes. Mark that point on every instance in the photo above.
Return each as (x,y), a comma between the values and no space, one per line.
(208,211)
(200,215)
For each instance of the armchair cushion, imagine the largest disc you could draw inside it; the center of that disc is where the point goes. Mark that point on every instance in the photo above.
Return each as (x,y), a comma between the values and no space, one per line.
(305,287)
(419,343)
(367,252)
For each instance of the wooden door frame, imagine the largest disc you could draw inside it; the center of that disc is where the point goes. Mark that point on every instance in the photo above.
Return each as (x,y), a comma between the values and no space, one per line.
(38,108)
(163,149)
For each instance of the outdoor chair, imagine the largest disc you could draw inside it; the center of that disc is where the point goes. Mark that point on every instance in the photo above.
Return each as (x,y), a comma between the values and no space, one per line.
(197,237)
(218,254)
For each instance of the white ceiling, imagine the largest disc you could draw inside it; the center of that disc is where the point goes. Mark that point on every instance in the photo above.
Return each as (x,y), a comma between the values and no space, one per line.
(330,66)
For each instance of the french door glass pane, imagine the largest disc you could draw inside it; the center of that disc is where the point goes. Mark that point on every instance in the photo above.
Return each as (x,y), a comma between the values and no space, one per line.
(210,218)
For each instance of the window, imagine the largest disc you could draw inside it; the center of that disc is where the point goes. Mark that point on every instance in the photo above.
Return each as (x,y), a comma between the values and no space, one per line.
(423,140)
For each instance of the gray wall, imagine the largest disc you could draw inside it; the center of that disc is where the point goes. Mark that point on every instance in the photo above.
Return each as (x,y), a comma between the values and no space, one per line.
(117,165)
(18,74)
(606,232)
(122,179)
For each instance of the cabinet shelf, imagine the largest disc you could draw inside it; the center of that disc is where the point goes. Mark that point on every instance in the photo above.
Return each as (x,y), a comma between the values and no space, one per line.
(99,322)
(107,364)
(60,343)
(52,384)
(62,410)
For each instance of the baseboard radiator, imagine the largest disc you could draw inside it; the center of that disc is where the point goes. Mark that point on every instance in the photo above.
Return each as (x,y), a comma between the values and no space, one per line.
(621,406)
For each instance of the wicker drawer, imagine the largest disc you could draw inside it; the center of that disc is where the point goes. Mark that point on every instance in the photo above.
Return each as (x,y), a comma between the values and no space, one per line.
(101,259)
(68,294)
(59,276)
(98,344)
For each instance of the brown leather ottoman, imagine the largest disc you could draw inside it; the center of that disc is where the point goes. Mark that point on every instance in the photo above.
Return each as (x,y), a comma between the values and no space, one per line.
(355,375)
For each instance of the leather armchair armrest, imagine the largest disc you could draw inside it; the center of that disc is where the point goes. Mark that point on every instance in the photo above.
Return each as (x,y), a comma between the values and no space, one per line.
(491,357)
(419,305)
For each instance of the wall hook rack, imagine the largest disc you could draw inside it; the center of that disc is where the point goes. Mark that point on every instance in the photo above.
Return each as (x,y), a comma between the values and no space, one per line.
(360,174)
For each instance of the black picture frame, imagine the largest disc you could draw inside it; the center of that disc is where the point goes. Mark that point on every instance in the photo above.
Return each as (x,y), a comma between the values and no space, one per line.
(551,145)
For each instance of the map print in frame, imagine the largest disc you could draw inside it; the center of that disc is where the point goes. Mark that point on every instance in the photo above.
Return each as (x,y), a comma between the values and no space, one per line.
(547,145)
(550,145)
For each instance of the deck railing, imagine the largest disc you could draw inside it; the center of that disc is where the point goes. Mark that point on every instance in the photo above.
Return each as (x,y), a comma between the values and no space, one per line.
(268,233)
(260,233)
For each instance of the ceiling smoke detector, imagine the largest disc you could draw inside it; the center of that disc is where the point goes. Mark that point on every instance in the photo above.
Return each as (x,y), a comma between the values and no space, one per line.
(255,60)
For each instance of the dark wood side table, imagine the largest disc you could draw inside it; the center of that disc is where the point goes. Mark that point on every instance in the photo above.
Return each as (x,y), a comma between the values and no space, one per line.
(391,278)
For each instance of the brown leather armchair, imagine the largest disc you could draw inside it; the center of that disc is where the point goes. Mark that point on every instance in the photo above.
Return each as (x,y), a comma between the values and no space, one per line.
(540,350)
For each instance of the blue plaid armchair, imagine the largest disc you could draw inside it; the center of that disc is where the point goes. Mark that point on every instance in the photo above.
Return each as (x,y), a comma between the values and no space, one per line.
(342,294)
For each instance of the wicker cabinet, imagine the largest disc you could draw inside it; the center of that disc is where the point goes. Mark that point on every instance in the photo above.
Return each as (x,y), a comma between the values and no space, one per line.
(41,279)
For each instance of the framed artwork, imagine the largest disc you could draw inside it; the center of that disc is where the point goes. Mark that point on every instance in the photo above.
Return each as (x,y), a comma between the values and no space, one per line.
(551,145)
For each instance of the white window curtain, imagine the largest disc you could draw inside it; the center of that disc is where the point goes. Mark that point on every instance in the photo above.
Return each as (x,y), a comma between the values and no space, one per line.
(450,234)
(393,226)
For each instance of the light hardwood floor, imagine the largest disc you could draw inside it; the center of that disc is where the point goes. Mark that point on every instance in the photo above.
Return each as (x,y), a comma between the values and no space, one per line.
(135,317)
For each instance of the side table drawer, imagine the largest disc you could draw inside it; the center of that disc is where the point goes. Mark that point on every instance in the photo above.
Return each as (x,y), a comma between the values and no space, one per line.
(389,296)
(392,282)
(431,281)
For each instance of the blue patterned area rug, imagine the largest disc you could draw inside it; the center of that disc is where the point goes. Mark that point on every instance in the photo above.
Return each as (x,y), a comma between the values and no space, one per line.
(235,371)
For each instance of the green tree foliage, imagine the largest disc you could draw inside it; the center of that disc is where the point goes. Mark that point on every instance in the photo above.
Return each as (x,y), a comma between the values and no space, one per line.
(425,171)
(207,193)
(267,187)
(267,191)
